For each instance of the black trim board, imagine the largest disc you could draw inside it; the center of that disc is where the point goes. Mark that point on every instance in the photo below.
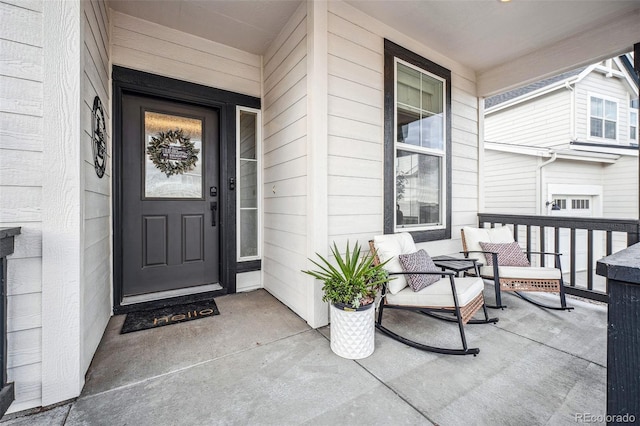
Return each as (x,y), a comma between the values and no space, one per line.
(155,304)
(604,145)
(391,51)
(142,83)
(248,266)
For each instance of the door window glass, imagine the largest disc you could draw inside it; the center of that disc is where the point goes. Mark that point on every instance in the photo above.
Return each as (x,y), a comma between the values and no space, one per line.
(173,156)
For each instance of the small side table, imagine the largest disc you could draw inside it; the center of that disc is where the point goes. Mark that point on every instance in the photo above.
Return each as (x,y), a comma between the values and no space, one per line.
(457,264)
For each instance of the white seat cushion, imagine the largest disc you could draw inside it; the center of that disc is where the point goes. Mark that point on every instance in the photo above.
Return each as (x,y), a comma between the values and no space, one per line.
(439,294)
(389,246)
(473,237)
(526,272)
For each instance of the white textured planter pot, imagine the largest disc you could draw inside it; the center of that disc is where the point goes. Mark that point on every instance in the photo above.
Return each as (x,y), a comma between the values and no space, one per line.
(353,332)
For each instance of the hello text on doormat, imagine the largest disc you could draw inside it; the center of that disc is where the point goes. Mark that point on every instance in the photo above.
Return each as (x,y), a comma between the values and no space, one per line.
(143,320)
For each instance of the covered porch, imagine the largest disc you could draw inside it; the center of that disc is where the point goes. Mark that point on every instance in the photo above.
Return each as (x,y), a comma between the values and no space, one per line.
(323,171)
(534,367)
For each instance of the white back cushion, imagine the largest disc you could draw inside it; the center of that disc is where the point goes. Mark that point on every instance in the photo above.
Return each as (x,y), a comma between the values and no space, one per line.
(473,237)
(389,246)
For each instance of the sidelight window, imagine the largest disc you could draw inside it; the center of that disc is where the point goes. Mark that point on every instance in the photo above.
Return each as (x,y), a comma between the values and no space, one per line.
(248,195)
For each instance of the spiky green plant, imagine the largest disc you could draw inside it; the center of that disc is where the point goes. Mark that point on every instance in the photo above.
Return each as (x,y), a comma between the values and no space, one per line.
(354,280)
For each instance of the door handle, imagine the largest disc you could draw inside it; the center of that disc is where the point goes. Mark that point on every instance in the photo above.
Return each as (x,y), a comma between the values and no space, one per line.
(214,209)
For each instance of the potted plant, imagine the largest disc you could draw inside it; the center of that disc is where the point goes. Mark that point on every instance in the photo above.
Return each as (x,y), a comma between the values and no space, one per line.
(350,285)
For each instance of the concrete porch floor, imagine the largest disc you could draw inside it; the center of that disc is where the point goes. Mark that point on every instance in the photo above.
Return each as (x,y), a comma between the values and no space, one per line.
(259,363)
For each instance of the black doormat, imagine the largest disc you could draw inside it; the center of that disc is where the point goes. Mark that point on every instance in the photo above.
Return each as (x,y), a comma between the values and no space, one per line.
(142,320)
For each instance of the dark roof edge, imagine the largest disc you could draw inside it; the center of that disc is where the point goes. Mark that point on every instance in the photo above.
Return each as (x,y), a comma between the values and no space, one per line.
(629,66)
(604,145)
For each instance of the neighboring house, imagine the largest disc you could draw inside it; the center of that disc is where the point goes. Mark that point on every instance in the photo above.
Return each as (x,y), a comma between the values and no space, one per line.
(300,112)
(565,145)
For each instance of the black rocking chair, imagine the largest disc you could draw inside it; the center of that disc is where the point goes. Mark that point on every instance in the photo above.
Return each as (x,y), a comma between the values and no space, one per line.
(450,298)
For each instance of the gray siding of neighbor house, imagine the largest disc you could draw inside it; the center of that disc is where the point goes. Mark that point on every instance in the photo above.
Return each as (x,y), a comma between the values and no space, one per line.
(612,88)
(621,193)
(621,188)
(285,162)
(21,159)
(543,121)
(567,172)
(546,121)
(509,183)
(96,286)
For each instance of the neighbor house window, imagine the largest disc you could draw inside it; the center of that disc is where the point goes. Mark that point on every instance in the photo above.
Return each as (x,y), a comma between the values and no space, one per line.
(603,120)
(417,145)
(561,203)
(580,204)
(248,191)
(633,120)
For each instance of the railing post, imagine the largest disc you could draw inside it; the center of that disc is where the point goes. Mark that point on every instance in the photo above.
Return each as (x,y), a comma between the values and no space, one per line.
(622,270)
(6,248)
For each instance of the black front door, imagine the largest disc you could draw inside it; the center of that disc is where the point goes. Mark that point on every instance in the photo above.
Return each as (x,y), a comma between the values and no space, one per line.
(170,207)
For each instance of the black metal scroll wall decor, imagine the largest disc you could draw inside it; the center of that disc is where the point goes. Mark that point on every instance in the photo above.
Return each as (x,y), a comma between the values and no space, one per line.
(98,138)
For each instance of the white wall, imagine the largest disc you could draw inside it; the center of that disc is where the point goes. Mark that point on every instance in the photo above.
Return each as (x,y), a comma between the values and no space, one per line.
(621,188)
(569,172)
(356,125)
(613,88)
(621,194)
(21,160)
(96,283)
(510,183)
(356,120)
(70,241)
(285,163)
(542,121)
(150,47)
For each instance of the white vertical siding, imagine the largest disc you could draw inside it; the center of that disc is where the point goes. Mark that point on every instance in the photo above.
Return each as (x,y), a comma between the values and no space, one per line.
(356,126)
(62,201)
(542,121)
(284,162)
(150,47)
(21,146)
(96,286)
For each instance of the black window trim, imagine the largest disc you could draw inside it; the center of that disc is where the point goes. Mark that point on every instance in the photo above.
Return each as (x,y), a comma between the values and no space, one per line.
(392,51)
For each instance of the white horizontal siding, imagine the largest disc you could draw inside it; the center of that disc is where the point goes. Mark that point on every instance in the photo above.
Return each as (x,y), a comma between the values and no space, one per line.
(356,126)
(355,120)
(285,163)
(543,121)
(21,161)
(509,183)
(616,89)
(149,47)
(573,173)
(96,286)
(620,188)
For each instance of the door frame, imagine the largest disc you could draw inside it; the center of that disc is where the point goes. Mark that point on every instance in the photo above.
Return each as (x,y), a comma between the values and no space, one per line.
(135,82)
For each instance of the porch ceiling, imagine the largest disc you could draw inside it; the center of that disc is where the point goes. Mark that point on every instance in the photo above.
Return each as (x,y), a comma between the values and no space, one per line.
(506,44)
